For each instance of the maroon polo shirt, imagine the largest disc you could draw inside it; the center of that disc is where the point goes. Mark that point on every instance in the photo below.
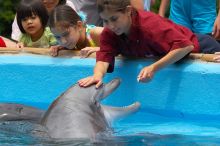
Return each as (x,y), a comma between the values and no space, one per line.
(2,43)
(150,35)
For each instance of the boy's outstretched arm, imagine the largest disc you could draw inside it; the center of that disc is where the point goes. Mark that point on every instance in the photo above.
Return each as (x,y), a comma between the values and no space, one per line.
(99,72)
(173,56)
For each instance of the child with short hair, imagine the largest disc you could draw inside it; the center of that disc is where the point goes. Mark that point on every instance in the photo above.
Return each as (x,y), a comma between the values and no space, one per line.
(136,33)
(49,5)
(32,19)
(72,33)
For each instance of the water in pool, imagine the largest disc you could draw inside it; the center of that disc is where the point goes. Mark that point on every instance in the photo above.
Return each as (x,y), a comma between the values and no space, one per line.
(155,131)
(178,106)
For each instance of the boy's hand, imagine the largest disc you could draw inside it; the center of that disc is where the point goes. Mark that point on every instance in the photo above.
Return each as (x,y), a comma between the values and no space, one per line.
(146,74)
(85,82)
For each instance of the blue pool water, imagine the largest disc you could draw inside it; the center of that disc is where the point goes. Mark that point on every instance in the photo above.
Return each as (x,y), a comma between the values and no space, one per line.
(179,107)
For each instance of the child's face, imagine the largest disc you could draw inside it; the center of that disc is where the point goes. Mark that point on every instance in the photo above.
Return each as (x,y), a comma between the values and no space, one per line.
(117,21)
(50,4)
(32,25)
(67,37)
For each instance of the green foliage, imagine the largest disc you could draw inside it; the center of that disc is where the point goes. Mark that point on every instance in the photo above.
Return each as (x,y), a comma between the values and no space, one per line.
(156,6)
(7,13)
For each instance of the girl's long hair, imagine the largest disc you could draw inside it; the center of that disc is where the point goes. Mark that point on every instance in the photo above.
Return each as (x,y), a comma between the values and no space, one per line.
(65,15)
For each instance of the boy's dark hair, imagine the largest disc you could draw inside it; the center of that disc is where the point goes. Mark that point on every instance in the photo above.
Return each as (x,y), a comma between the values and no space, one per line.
(112,5)
(27,8)
(61,2)
(64,14)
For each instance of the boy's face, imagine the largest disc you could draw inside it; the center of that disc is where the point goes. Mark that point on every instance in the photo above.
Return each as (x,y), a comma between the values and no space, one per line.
(117,21)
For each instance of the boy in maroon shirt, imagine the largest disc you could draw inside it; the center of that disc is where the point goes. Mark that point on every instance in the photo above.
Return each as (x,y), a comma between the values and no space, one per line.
(140,34)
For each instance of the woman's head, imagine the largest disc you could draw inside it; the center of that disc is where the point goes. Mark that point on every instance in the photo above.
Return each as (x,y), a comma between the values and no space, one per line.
(51,4)
(112,5)
(66,25)
(116,15)
(31,16)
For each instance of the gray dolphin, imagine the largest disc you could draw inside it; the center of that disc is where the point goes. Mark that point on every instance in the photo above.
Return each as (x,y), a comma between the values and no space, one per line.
(15,112)
(77,113)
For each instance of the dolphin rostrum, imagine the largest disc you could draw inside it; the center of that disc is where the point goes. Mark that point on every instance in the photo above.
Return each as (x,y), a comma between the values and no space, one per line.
(77,113)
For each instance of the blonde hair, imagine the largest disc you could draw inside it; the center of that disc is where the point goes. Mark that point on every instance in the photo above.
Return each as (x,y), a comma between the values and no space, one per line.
(112,5)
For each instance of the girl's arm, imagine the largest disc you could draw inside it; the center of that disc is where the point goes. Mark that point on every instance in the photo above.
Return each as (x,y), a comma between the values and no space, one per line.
(163,7)
(96,33)
(147,73)
(99,72)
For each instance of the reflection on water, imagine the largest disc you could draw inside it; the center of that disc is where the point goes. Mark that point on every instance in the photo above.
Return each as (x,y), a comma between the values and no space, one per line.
(26,133)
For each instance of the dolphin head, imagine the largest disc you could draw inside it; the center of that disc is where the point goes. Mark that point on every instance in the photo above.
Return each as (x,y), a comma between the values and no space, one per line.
(77,112)
(98,94)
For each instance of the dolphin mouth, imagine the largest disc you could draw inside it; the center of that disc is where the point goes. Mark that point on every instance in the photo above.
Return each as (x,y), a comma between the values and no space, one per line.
(108,89)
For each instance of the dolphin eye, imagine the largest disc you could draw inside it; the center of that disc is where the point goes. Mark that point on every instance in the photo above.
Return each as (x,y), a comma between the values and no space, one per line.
(97,103)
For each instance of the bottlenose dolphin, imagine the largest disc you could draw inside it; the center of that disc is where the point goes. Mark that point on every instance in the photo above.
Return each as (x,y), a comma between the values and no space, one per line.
(14,112)
(77,113)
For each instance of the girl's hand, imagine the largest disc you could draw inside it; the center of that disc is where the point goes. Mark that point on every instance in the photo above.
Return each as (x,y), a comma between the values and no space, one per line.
(54,50)
(146,74)
(85,52)
(217,58)
(20,45)
(85,82)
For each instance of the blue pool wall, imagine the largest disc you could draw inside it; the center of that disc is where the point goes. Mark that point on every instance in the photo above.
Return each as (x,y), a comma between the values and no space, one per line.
(190,89)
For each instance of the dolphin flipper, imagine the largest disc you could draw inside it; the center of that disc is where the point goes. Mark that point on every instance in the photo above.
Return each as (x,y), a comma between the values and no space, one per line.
(14,112)
(113,113)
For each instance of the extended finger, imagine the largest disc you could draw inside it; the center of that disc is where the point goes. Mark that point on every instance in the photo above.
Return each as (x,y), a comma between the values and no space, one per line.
(88,81)
(82,82)
(98,84)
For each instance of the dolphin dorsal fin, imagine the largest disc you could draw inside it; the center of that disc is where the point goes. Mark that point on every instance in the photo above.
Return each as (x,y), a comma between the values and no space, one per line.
(114,113)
